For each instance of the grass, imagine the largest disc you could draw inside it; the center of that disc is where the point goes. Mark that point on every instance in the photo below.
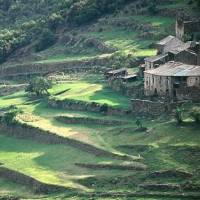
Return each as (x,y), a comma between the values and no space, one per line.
(125,41)
(170,147)
(49,163)
(90,92)
(7,187)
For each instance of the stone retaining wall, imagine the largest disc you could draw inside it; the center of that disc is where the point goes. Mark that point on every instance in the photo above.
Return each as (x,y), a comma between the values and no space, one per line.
(84,106)
(133,91)
(146,107)
(190,93)
(30,182)
(45,68)
(86,120)
(152,108)
(135,167)
(7,90)
(26,131)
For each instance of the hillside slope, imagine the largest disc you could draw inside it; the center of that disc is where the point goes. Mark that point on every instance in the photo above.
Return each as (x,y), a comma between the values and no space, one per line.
(34,27)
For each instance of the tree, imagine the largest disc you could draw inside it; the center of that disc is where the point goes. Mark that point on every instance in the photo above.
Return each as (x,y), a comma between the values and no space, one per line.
(39,86)
(46,40)
(179,114)
(10,116)
(153,8)
(198,2)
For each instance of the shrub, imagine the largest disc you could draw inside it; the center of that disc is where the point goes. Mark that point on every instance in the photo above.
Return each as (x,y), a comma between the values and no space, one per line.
(46,40)
(179,114)
(195,114)
(87,10)
(10,117)
(152,8)
(39,86)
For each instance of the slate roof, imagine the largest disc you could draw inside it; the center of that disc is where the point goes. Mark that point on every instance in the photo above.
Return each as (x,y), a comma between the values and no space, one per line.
(155,58)
(130,76)
(166,40)
(175,69)
(117,71)
(170,43)
(177,51)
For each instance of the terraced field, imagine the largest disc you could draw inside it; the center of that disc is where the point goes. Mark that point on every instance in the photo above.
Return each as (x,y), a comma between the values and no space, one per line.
(82,142)
(82,153)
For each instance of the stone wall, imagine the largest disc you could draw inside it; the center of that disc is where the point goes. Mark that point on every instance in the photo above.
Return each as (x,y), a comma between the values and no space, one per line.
(33,184)
(157,85)
(7,90)
(45,68)
(187,57)
(130,90)
(153,108)
(189,93)
(146,107)
(84,106)
(90,121)
(25,131)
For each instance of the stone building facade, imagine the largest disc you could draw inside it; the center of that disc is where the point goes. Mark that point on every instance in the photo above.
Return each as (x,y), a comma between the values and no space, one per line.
(168,43)
(155,61)
(169,79)
(187,28)
(185,56)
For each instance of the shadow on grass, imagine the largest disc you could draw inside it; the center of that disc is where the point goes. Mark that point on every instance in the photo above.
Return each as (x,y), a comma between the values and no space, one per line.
(111,97)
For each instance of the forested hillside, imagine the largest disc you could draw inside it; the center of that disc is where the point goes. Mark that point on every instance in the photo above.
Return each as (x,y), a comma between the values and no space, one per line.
(26,22)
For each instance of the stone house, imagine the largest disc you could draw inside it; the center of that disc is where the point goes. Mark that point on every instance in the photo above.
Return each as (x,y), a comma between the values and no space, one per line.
(167,44)
(187,28)
(175,50)
(171,80)
(154,61)
(185,56)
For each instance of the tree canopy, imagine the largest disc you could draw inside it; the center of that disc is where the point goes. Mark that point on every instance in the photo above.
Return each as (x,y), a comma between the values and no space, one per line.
(39,86)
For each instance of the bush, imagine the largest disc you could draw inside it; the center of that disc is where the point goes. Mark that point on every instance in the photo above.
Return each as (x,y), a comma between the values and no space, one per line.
(179,114)
(39,86)
(46,40)
(195,114)
(85,11)
(153,8)
(9,117)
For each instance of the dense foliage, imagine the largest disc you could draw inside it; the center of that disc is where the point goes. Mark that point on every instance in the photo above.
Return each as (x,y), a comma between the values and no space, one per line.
(25,21)
(9,117)
(37,20)
(86,10)
(39,86)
